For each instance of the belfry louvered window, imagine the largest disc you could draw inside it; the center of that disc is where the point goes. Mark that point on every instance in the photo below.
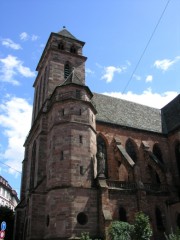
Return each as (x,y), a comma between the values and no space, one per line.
(66,70)
(61,46)
(73,49)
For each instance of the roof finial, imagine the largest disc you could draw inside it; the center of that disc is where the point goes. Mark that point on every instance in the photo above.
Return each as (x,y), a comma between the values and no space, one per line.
(64,26)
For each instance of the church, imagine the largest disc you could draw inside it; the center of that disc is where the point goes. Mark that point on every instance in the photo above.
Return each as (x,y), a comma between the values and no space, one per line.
(91,159)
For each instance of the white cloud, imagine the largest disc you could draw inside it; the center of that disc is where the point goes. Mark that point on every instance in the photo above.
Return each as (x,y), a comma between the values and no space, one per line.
(24,36)
(149,78)
(15,119)
(11,66)
(110,71)
(10,44)
(148,98)
(137,77)
(34,37)
(165,64)
(89,71)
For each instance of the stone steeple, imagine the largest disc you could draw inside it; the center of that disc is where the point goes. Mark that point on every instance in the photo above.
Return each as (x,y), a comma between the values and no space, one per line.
(61,58)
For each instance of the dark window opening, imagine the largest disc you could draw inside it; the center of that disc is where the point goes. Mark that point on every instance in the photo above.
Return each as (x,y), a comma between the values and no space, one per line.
(81,170)
(73,50)
(178,220)
(122,214)
(177,154)
(82,218)
(47,220)
(157,153)
(153,176)
(159,220)
(80,139)
(66,70)
(158,181)
(62,155)
(130,149)
(63,112)
(61,46)
(80,112)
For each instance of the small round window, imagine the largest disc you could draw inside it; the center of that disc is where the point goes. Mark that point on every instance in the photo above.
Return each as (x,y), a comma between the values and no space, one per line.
(82,218)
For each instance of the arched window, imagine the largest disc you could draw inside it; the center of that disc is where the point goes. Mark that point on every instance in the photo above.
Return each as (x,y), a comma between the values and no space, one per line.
(177,153)
(67,70)
(159,219)
(153,176)
(157,153)
(122,214)
(101,157)
(73,49)
(33,161)
(131,150)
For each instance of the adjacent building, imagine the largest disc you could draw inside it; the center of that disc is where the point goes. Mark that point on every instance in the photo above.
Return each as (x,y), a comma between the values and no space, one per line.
(8,196)
(91,159)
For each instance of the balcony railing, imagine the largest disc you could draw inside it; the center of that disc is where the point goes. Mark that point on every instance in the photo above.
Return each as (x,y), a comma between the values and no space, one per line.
(121,185)
(155,187)
(148,187)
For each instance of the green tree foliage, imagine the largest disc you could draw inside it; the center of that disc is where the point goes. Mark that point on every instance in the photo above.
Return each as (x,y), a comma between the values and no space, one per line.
(85,236)
(142,227)
(173,236)
(7,215)
(120,231)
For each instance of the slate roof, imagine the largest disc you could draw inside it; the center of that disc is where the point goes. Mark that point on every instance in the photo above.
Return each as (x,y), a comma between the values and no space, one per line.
(128,114)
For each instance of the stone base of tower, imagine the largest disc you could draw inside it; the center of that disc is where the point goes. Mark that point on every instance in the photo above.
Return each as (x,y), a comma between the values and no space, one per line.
(71,211)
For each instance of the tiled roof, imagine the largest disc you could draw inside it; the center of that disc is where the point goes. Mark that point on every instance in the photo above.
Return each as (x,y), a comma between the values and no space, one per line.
(129,114)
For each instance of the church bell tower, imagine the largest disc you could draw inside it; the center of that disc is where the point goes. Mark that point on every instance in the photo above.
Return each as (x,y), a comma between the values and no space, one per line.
(59,201)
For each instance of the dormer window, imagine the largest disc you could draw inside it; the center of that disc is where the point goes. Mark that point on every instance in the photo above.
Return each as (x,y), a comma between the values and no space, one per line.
(73,49)
(61,46)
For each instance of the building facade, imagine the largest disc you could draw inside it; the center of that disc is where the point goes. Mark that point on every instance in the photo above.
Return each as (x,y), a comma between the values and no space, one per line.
(8,196)
(91,159)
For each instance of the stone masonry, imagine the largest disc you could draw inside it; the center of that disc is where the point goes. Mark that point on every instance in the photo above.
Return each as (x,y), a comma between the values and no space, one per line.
(91,159)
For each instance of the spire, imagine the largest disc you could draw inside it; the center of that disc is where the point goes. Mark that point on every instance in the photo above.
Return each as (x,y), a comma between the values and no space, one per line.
(65,33)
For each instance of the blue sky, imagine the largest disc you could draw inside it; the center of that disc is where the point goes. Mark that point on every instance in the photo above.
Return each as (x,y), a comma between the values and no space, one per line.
(133,50)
